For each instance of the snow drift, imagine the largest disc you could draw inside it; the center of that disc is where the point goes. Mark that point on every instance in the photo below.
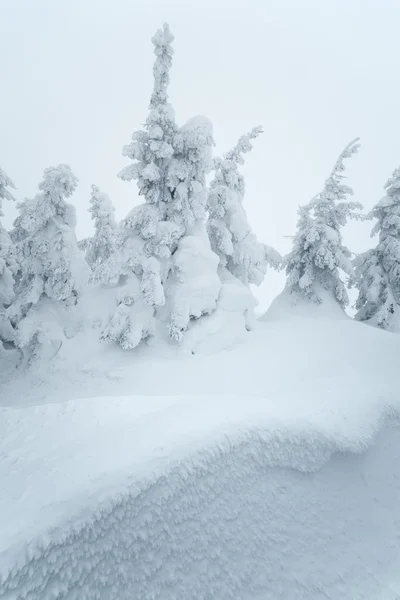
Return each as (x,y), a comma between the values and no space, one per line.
(270,471)
(142,498)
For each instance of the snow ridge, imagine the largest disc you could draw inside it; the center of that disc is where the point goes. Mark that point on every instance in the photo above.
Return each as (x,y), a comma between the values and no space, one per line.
(216,518)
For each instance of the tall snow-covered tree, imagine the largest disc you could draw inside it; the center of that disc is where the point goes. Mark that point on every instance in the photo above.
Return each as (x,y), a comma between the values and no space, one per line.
(231,236)
(147,238)
(378,269)
(8,266)
(319,256)
(102,245)
(169,165)
(152,150)
(52,269)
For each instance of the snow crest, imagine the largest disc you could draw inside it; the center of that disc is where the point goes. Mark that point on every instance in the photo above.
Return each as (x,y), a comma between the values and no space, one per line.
(145,500)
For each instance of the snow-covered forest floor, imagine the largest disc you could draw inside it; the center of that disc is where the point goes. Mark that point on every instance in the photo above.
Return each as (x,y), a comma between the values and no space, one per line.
(286,351)
(267,470)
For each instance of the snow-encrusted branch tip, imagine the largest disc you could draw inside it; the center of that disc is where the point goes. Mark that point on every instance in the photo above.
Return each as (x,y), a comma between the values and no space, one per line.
(348,151)
(243,145)
(256,131)
(351,148)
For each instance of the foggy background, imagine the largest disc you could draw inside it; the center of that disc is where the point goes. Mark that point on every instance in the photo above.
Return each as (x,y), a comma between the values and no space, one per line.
(76,78)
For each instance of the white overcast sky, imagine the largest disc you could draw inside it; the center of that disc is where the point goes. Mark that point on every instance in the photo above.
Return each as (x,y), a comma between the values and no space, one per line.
(76,80)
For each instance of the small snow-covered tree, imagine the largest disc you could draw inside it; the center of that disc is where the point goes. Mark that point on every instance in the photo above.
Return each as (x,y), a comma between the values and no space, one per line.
(319,255)
(378,270)
(230,234)
(8,266)
(102,245)
(52,269)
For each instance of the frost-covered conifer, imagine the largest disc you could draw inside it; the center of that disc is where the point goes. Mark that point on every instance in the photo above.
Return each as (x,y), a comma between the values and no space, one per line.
(102,245)
(230,234)
(8,266)
(147,238)
(52,269)
(169,166)
(319,256)
(378,270)
(152,150)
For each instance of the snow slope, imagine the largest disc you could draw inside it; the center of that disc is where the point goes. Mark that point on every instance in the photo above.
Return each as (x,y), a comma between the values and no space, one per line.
(267,471)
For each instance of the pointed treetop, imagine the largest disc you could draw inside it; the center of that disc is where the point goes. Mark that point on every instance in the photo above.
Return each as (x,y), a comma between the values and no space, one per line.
(334,190)
(334,182)
(387,210)
(5,182)
(163,50)
(243,145)
(101,206)
(393,184)
(351,148)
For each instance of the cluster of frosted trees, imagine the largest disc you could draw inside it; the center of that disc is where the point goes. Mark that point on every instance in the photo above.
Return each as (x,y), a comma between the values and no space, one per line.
(181,263)
(320,261)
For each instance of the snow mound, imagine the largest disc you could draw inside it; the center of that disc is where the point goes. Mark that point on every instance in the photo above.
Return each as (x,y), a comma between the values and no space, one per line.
(201,497)
(267,471)
(292,305)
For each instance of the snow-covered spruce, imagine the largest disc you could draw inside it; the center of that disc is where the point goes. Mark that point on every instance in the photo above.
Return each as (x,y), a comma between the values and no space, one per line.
(8,267)
(167,272)
(152,151)
(378,269)
(230,234)
(319,255)
(52,270)
(243,260)
(146,238)
(102,245)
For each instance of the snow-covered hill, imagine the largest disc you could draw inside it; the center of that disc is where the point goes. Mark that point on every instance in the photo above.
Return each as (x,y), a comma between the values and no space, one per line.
(270,470)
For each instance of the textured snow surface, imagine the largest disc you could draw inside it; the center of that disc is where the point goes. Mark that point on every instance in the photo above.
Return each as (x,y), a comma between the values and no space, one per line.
(268,471)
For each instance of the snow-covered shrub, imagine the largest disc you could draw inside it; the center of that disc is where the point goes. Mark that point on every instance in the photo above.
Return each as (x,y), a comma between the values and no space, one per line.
(8,266)
(378,269)
(103,244)
(319,257)
(52,269)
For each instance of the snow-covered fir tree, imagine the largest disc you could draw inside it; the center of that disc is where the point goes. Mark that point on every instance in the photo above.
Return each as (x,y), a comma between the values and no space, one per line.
(319,257)
(152,150)
(378,269)
(8,267)
(102,244)
(146,237)
(231,236)
(52,269)
(169,167)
